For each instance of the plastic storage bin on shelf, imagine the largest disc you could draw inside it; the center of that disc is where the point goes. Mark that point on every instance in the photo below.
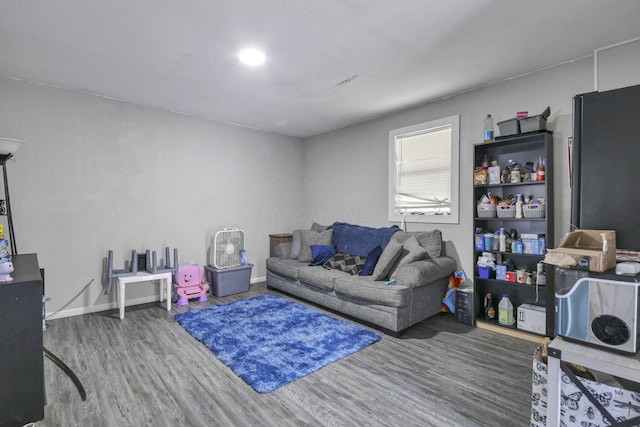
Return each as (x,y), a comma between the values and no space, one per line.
(533,211)
(508,211)
(509,127)
(229,281)
(533,124)
(486,211)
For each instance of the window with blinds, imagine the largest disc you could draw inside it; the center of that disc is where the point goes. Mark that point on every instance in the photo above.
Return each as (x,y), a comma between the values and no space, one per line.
(423,162)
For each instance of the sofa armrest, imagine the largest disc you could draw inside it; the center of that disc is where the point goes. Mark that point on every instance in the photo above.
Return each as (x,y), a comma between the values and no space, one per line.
(425,271)
(283,250)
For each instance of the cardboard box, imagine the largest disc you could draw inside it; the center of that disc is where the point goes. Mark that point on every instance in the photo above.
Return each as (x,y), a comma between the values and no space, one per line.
(532,318)
(484,272)
(494,175)
(594,250)
(480,176)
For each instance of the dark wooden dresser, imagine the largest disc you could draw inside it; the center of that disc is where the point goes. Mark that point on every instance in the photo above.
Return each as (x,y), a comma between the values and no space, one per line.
(22,393)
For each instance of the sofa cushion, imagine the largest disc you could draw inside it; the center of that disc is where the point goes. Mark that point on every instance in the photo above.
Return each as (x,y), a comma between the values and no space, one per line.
(425,271)
(283,249)
(321,253)
(387,260)
(296,244)
(351,264)
(372,259)
(284,267)
(319,277)
(431,241)
(367,290)
(411,251)
(359,240)
(308,238)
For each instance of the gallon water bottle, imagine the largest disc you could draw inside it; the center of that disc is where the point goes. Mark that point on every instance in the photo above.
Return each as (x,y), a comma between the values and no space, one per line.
(505,311)
(488,129)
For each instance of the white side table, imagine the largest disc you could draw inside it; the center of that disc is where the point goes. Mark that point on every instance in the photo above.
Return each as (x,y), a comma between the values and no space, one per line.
(143,276)
(608,362)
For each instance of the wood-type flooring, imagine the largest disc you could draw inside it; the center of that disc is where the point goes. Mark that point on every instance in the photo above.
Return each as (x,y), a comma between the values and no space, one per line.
(146,370)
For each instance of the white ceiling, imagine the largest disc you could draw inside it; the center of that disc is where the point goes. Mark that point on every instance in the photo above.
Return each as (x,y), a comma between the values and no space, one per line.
(330,63)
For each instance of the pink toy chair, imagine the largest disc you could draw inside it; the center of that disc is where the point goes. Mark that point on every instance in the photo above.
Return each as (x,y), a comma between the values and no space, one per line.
(190,284)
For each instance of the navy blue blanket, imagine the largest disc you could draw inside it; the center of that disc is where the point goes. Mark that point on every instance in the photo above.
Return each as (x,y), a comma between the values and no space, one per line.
(359,240)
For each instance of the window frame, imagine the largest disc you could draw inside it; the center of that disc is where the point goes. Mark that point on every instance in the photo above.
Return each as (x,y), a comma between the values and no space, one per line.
(454,216)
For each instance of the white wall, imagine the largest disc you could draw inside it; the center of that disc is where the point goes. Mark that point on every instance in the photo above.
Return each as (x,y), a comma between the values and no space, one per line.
(347,170)
(98,174)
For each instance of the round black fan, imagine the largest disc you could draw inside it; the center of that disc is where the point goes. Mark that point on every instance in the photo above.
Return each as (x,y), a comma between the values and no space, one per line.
(610,329)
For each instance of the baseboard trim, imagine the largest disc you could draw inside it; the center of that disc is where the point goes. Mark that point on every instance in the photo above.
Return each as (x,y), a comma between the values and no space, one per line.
(511,332)
(114,305)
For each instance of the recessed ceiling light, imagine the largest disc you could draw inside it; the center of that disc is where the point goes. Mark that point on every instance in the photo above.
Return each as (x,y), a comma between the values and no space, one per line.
(251,57)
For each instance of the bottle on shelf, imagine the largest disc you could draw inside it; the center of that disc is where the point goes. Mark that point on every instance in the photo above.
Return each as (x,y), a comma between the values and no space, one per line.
(489,309)
(485,161)
(519,206)
(503,240)
(540,170)
(541,277)
(505,311)
(488,129)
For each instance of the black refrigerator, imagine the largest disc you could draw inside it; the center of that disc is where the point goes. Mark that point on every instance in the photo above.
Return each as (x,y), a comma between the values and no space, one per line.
(606,164)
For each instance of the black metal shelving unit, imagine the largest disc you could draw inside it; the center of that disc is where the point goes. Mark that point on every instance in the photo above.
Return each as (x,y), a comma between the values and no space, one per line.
(520,148)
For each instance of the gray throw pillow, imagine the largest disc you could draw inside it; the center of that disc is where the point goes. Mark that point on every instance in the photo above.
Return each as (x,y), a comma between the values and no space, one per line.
(309,238)
(387,260)
(431,241)
(319,228)
(295,244)
(412,251)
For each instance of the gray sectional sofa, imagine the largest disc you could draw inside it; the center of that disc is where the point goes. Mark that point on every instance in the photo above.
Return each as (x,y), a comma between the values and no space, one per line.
(421,274)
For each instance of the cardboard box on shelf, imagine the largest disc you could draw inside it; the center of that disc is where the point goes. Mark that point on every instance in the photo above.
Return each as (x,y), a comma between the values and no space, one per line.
(594,250)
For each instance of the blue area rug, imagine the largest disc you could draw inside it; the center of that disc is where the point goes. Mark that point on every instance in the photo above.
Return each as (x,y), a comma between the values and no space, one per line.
(269,341)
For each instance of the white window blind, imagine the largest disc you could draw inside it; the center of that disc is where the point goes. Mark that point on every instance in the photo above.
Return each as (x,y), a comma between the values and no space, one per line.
(423,172)
(423,165)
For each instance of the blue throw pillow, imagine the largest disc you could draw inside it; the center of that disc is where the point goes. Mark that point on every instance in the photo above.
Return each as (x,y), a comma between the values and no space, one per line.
(372,259)
(322,253)
(359,240)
